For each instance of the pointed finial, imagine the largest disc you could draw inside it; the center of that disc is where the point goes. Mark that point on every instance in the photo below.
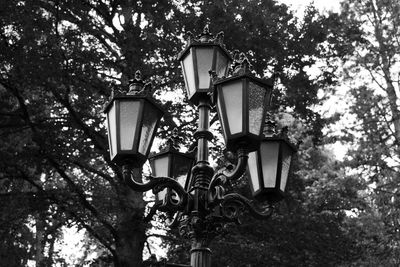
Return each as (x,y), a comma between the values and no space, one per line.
(136,84)
(189,37)
(236,54)
(172,141)
(206,36)
(284,132)
(138,75)
(219,38)
(270,126)
(241,65)
(206,29)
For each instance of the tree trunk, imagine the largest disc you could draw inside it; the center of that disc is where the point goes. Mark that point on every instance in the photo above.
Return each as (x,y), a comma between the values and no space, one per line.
(39,253)
(131,230)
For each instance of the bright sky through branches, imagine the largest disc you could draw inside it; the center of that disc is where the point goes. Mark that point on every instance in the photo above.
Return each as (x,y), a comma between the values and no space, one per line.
(322,5)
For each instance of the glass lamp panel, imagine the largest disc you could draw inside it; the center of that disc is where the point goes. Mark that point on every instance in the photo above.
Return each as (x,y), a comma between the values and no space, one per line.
(112,130)
(181,179)
(150,119)
(204,58)
(129,115)
(253,170)
(221,65)
(188,71)
(220,116)
(269,156)
(180,166)
(233,97)
(286,160)
(256,107)
(161,166)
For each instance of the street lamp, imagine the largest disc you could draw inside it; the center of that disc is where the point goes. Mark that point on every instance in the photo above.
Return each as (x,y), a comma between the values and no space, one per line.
(268,167)
(242,101)
(201,206)
(198,58)
(132,122)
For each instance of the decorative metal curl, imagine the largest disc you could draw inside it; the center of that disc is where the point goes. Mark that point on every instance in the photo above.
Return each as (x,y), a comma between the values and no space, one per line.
(175,220)
(233,205)
(221,177)
(156,184)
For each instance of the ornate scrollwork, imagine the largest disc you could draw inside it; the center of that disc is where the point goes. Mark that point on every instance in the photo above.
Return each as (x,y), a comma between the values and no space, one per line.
(216,188)
(157,184)
(233,205)
(206,37)
(204,228)
(138,87)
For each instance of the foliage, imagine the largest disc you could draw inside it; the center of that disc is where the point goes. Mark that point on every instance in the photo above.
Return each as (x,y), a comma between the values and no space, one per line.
(370,30)
(63,59)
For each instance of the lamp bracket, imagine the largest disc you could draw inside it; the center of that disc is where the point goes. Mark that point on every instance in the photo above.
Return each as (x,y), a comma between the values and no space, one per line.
(156,184)
(203,228)
(233,205)
(222,176)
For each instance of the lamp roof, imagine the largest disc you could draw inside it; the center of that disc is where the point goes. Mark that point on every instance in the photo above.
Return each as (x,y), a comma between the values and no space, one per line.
(137,90)
(205,39)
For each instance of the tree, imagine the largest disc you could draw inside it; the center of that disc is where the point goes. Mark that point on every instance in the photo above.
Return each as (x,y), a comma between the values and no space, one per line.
(370,51)
(63,59)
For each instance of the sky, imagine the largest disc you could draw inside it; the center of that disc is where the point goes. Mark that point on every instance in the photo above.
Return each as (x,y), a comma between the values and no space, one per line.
(322,5)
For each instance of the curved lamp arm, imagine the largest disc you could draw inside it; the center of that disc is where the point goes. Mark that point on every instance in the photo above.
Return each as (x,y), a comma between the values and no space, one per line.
(215,189)
(233,204)
(156,184)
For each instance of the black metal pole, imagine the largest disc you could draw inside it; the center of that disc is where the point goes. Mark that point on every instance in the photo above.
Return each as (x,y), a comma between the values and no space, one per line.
(202,173)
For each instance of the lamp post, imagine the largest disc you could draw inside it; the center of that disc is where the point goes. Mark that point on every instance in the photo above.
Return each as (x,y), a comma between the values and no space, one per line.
(202,206)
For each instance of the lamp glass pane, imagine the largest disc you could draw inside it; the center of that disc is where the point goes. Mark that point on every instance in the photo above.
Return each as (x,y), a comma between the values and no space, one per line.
(256,107)
(286,160)
(233,97)
(221,65)
(204,57)
(220,116)
(188,71)
(112,130)
(161,166)
(129,112)
(181,166)
(150,118)
(253,171)
(269,157)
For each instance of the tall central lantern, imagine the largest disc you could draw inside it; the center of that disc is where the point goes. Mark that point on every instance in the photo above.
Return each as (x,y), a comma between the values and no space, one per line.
(200,56)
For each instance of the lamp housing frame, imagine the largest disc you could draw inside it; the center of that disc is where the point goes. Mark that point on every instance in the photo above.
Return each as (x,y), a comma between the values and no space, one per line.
(243,138)
(205,41)
(275,193)
(132,156)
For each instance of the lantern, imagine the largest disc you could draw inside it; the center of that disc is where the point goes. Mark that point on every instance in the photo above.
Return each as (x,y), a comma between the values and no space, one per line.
(132,121)
(268,168)
(241,101)
(198,58)
(171,163)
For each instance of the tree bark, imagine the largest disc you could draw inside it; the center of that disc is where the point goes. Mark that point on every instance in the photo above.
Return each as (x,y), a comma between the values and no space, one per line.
(131,229)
